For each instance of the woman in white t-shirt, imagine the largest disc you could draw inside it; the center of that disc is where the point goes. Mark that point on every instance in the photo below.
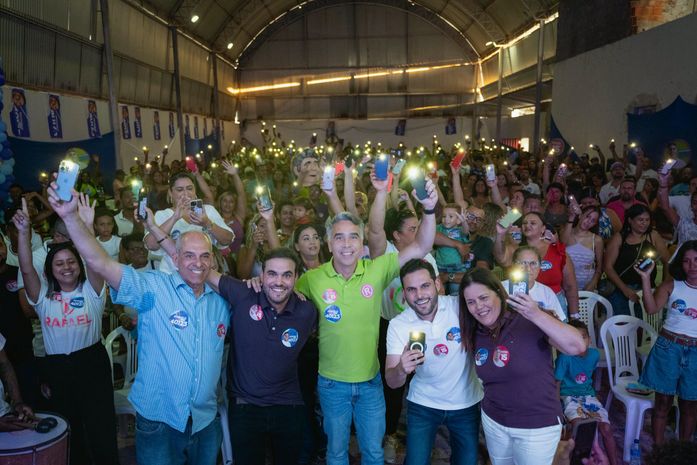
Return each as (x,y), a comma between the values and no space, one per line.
(70,304)
(671,367)
(183,218)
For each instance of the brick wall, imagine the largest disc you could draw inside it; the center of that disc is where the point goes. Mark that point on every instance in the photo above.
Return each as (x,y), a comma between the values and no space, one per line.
(647,14)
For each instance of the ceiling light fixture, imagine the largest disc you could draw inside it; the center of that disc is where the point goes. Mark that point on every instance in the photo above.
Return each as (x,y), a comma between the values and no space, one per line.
(230,45)
(194,18)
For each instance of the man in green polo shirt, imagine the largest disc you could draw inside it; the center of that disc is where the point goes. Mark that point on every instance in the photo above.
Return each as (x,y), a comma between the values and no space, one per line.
(348,294)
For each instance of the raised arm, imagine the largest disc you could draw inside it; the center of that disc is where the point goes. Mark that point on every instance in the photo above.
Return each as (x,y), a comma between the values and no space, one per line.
(423,243)
(503,253)
(333,197)
(664,201)
(271,234)
(458,195)
(241,207)
(377,239)
(350,191)
(94,255)
(496,194)
(32,283)
(653,301)
(205,188)
(86,212)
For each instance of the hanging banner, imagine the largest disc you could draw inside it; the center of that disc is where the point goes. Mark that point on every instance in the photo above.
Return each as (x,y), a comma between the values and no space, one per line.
(205,127)
(19,119)
(156,125)
(196,127)
(401,127)
(187,131)
(451,127)
(55,127)
(171,125)
(92,120)
(137,123)
(125,123)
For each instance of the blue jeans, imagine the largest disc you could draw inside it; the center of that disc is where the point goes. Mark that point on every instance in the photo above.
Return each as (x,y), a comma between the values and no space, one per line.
(159,444)
(363,403)
(620,304)
(423,423)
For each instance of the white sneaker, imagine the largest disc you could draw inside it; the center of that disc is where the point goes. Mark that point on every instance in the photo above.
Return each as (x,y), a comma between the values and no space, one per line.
(390,449)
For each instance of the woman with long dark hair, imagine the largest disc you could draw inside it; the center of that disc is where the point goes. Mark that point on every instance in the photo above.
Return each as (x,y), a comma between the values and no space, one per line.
(585,247)
(633,243)
(480,193)
(512,339)
(308,244)
(670,368)
(70,304)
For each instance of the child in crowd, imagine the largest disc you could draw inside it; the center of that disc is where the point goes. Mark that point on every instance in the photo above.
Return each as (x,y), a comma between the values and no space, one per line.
(454,227)
(104,227)
(575,377)
(303,210)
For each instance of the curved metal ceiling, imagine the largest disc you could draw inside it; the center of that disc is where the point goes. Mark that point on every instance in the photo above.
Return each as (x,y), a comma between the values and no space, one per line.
(478,23)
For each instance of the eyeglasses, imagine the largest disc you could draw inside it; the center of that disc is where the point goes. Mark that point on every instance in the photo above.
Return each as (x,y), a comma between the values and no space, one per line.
(531,264)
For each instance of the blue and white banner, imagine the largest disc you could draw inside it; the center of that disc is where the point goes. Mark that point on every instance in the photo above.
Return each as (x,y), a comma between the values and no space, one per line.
(137,123)
(55,127)
(156,125)
(19,119)
(125,123)
(171,125)
(92,120)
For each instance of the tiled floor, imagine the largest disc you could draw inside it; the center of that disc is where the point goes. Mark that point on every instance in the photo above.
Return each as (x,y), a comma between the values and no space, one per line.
(442,450)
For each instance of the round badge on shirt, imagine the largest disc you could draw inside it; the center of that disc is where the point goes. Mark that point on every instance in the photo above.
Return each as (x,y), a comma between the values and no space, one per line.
(545,265)
(679,305)
(256,313)
(11,285)
(220,330)
(481,356)
(332,314)
(501,356)
(289,337)
(77,302)
(329,296)
(367,291)
(440,350)
(581,378)
(453,335)
(180,319)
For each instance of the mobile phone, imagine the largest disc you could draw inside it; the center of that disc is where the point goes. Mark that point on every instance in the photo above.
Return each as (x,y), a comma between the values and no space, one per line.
(490,173)
(417,341)
(457,161)
(264,198)
(509,218)
(668,166)
(328,178)
(518,282)
(399,165)
(646,262)
(136,188)
(562,170)
(142,212)
(66,179)
(196,206)
(418,182)
(584,436)
(574,205)
(191,164)
(381,167)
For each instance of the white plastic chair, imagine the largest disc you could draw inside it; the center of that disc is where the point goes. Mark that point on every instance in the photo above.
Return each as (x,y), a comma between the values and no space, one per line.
(655,321)
(121,403)
(588,310)
(619,336)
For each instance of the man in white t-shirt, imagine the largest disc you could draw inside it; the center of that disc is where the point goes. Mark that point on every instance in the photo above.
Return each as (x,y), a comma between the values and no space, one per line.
(12,417)
(527,183)
(612,188)
(445,389)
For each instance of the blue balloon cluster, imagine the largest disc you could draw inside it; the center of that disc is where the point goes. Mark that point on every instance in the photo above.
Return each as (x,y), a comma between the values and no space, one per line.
(7,160)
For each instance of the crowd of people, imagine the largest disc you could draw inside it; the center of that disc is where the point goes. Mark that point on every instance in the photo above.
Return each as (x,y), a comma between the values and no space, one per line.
(317,284)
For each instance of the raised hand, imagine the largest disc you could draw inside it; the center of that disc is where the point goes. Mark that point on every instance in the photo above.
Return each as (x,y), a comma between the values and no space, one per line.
(523,304)
(410,359)
(429,203)
(266,214)
(62,208)
(85,210)
(200,220)
(229,168)
(377,183)
(21,219)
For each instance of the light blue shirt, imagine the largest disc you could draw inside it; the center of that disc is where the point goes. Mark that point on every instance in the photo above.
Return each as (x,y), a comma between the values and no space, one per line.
(180,347)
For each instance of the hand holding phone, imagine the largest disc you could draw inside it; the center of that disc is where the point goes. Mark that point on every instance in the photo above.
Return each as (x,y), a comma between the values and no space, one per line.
(382,167)
(191,164)
(418,182)
(509,218)
(68,171)
(583,435)
(196,207)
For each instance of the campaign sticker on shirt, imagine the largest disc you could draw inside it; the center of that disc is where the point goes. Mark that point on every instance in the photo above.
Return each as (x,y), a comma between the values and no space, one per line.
(691,312)
(255,312)
(175,234)
(581,378)
(440,350)
(289,337)
(545,265)
(453,334)
(77,302)
(367,291)
(332,313)
(180,319)
(481,356)
(679,305)
(501,356)
(329,296)
(11,285)
(220,330)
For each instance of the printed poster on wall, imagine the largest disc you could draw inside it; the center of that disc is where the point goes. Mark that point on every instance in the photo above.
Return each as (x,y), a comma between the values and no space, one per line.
(401,127)
(171,125)
(156,125)
(92,120)
(125,123)
(19,119)
(187,131)
(195,127)
(451,127)
(55,126)
(137,123)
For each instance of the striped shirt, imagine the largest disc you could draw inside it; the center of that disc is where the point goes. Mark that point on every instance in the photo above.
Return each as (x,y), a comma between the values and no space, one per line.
(180,347)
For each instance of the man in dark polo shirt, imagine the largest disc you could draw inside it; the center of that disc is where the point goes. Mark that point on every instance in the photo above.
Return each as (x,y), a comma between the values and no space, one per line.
(269,329)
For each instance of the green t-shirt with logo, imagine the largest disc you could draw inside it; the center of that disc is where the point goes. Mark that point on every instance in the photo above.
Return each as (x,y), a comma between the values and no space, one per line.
(349,316)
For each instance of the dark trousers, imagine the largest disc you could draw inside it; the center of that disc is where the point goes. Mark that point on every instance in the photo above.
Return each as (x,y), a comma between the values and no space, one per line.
(253,428)
(82,392)
(314,438)
(393,397)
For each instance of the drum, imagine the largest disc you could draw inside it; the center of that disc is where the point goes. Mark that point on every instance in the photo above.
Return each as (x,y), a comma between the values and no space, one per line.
(27,447)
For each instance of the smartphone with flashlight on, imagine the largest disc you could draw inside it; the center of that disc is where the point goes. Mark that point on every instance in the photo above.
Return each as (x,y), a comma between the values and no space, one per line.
(263,199)
(196,206)
(418,182)
(66,179)
(490,173)
(509,218)
(328,178)
(668,166)
(518,282)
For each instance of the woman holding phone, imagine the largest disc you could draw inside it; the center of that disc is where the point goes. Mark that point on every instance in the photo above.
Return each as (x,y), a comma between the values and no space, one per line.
(556,269)
(584,247)
(70,304)
(521,413)
(188,213)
